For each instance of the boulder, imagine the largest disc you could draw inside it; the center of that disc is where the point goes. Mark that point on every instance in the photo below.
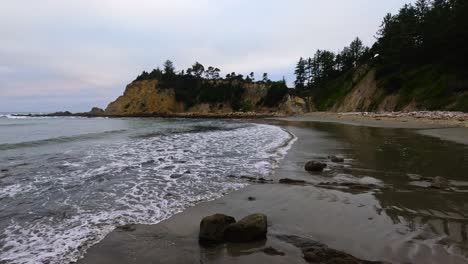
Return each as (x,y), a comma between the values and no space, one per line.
(336,159)
(440,183)
(250,228)
(212,227)
(314,166)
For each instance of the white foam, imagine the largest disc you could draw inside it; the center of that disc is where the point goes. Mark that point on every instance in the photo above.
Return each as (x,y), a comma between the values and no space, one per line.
(131,182)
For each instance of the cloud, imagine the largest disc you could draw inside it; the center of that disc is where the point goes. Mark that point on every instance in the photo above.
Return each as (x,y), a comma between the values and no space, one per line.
(86,51)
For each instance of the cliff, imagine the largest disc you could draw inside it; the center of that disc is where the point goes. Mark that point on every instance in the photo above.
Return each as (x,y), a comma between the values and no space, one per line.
(422,88)
(151,97)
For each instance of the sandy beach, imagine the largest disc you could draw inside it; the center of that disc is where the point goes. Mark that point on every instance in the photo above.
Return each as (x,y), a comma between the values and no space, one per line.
(387,218)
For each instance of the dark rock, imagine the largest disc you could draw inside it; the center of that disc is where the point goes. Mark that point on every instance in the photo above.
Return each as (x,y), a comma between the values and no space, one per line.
(316,252)
(4,170)
(212,227)
(314,166)
(96,111)
(254,179)
(272,251)
(127,228)
(250,228)
(336,159)
(291,181)
(325,255)
(440,183)
(251,198)
(176,176)
(249,178)
(188,172)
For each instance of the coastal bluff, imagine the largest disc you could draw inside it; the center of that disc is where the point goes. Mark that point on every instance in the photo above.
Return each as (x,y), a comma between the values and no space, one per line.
(149,97)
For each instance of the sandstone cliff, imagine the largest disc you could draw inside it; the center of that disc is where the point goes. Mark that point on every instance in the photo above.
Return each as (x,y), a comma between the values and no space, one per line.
(147,97)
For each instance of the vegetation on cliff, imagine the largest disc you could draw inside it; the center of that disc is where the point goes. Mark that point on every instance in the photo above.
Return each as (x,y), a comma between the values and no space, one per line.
(198,85)
(419,57)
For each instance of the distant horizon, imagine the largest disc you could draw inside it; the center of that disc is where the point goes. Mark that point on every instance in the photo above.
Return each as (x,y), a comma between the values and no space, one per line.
(99,47)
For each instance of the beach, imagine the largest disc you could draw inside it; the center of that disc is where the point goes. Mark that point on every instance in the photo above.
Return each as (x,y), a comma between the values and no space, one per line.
(370,206)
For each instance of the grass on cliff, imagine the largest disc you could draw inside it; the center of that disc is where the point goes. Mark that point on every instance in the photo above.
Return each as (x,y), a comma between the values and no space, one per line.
(431,87)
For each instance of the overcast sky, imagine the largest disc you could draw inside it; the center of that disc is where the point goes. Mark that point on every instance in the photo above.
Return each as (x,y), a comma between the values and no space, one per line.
(72,55)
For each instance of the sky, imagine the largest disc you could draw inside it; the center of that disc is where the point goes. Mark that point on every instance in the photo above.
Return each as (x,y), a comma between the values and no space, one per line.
(72,55)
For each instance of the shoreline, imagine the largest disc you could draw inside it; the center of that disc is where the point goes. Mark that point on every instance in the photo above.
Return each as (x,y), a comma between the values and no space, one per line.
(306,211)
(450,129)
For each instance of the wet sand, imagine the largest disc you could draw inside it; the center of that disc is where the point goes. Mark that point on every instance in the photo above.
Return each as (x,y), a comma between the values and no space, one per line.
(400,223)
(446,129)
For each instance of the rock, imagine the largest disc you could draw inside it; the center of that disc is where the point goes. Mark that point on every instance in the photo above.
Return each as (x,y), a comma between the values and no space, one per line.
(316,252)
(212,227)
(96,111)
(250,228)
(291,181)
(4,170)
(127,228)
(336,159)
(315,166)
(440,183)
(251,198)
(325,255)
(175,176)
(272,251)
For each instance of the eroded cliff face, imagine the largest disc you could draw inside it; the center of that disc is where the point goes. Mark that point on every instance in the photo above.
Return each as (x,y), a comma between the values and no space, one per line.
(365,95)
(146,97)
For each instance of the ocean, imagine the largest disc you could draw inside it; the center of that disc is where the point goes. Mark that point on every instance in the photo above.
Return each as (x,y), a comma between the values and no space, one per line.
(67,182)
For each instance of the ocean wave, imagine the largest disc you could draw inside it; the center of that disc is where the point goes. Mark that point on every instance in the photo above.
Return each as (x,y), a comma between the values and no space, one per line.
(58,140)
(133,183)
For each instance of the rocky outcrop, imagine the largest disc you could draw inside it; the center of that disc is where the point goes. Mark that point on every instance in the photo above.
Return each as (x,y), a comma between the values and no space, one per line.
(145,97)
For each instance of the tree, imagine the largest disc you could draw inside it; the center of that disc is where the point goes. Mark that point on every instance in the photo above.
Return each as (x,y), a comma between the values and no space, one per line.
(252,76)
(265,77)
(356,51)
(197,69)
(169,68)
(300,74)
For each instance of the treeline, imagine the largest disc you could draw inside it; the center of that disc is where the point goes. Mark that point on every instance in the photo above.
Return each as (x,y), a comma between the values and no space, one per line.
(198,84)
(427,33)
(326,65)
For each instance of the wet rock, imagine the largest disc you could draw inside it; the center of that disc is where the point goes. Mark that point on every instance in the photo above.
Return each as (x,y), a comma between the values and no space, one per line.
(212,227)
(254,179)
(440,183)
(291,181)
(336,159)
(175,176)
(272,251)
(250,228)
(325,255)
(314,166)
(126,228)
(316,252)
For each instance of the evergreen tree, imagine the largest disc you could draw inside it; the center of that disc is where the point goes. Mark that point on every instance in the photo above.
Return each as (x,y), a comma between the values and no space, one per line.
(300,74)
